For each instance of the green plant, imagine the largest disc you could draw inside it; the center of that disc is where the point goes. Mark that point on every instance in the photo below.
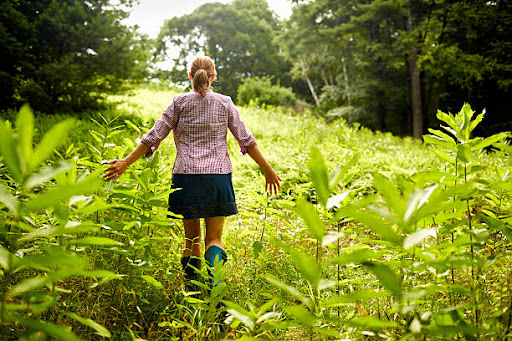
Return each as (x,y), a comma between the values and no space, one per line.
(260,91)
(43,231)
(420,239)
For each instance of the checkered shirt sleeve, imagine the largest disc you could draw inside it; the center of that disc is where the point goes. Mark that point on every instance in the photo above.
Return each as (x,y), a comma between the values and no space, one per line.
(161,128)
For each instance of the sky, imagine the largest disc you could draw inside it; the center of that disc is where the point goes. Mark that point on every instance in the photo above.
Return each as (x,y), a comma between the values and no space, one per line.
(149,15)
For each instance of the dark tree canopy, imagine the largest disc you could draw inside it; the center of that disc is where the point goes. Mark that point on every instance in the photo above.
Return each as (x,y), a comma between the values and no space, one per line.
(65,54)
(399,59)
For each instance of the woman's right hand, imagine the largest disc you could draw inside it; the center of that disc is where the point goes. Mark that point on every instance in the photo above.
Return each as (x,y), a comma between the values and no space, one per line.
(116,169)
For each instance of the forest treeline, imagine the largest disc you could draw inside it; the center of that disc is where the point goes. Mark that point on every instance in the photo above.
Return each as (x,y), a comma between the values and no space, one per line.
(389,64)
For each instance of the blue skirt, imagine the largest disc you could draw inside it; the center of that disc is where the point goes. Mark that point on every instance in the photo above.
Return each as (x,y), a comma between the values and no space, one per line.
(202,196)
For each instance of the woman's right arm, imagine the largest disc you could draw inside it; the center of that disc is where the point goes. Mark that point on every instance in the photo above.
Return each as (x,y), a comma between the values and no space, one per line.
(118,167)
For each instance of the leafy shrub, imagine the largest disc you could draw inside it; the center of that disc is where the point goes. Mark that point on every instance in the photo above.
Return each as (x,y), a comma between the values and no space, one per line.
(44,230)
(259,90)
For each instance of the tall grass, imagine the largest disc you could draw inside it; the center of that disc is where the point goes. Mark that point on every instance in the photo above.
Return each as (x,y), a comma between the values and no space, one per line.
(372,236)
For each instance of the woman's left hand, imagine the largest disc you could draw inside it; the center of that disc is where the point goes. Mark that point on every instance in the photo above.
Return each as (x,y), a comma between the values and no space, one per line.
(272,181)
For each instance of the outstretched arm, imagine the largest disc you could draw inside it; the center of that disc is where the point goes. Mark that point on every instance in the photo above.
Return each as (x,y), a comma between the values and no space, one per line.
(119,166)
(271,178)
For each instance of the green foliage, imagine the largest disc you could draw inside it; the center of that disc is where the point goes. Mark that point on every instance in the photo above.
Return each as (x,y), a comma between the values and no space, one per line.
(356,58)
(371,236)
(66,54)
(41,228)
(422,242)
(260,91)
(238,36)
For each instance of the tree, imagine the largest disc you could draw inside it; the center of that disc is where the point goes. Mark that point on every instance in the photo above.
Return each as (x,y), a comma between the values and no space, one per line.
(66,54)
(404,59)
(238,36)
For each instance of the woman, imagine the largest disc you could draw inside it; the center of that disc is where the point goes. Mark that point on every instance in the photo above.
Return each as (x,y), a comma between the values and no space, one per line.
(202,168)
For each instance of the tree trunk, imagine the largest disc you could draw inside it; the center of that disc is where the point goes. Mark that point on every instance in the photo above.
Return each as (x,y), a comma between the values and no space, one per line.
(312,89)
(417,114)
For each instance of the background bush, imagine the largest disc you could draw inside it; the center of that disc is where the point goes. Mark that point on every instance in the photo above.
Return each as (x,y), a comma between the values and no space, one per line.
(259,90)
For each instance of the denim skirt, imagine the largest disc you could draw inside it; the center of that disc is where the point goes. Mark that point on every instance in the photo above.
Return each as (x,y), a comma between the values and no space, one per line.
(202,196)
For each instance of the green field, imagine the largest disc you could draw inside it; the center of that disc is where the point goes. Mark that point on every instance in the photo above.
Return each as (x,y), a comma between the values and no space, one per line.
(373,236)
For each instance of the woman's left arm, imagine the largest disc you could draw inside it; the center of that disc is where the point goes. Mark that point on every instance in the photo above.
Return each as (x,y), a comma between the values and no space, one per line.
(272,180)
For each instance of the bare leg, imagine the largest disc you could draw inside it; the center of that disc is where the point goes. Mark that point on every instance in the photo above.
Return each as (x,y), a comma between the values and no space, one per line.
(192,237)
(214,227)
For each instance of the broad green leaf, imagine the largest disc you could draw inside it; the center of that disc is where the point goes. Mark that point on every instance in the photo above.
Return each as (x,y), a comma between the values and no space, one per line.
(467,114)
(341,172)
(387,277)
(47,232)
(40,302)
(61,332)
(100,330)
(55,137)
(319,175)
(357,257)
(464,153)
(313,222)
(241,314)
(7,259)
(374,223)
(9,200)
(335,201)
(63,192)
(152,281)
(416,200)
(444,156)
(302,315)
(448,119)
(28,285)
(454,133)
(438,141)
(307,267)
(326,284)
(47,173)
(490,141)
(418,237)
(25,127)
(289,289)
(40,281)
(133,126)
(53,257)
(432,176)
(497,225)
(100,274)
(10,152)
(390,194)
(443,136)
(244,318)
(476,121)
(98,241)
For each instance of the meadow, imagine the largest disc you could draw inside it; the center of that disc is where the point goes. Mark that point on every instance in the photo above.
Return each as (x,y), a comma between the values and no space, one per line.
(372,236)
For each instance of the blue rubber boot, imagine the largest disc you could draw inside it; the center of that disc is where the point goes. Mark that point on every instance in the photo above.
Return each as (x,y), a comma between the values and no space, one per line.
(213,256)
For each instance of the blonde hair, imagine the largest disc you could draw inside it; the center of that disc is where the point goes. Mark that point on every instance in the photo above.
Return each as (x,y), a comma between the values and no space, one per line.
(202,70)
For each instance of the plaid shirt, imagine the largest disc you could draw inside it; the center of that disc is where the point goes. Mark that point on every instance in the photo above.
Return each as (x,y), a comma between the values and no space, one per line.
(200,126)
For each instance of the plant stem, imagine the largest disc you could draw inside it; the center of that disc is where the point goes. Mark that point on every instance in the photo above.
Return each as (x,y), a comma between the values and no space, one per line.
(264,219)
(474,284)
